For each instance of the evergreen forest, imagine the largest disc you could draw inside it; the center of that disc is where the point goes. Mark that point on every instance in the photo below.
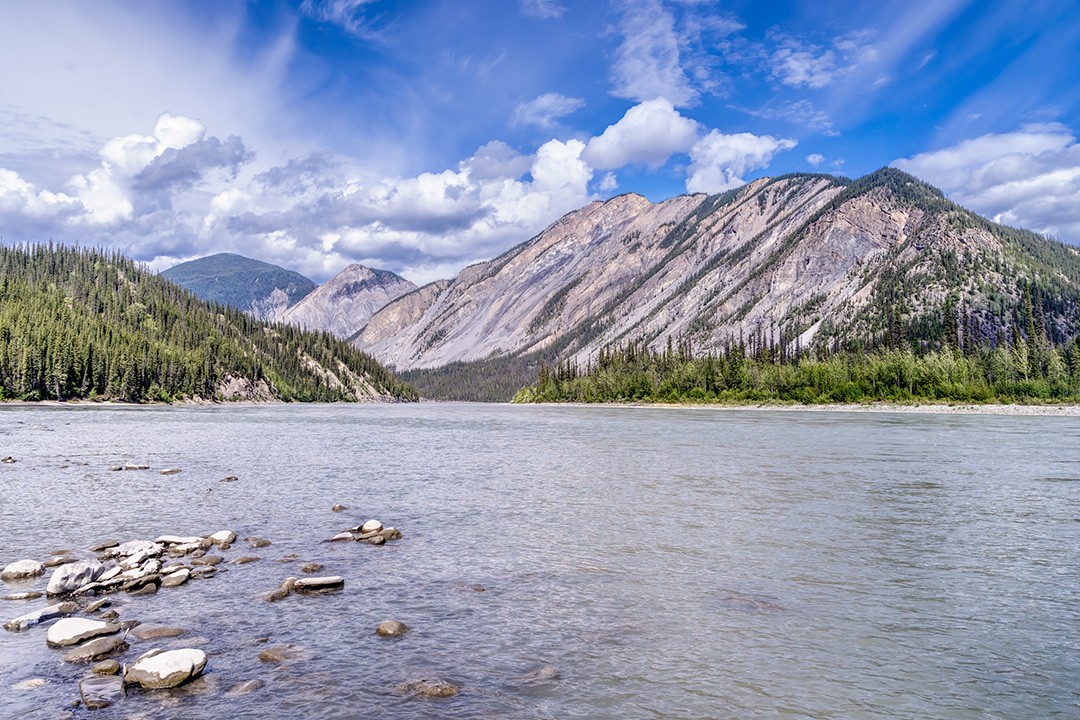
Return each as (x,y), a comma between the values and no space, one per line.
(92,324)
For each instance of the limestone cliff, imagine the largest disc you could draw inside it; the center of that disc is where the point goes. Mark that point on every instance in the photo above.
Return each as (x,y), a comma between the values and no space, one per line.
(346,302)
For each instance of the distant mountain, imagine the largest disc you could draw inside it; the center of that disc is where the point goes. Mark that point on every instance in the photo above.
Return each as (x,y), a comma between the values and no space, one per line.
(810,262)
(84,324)
(344,304)
(252,286)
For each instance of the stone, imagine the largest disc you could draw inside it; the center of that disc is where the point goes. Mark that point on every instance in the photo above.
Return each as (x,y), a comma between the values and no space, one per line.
(208,560)
(31,684)
(26,595)
(72,576)
(96,605)
(391,533)
(229,478)
(282,591)
(101,691)
(244,688)
(391,629)
(222,537)
(281,653)
(258,542)
(109,615)
(326,583)
(341,536)
(58,560)
(311,567)
(165,669)
(142,586)
(176,579)
(544,673)
(371,526)
(170,471)
(289,558)
(96,649)
(39,616)
(152,549)
(8,460)
(362,537)
(377,540)
(338,508)
(71,630)
(179,540)
(106,667)
(22,569)
(111,573)
(156,632)
(429,688)
(103,546)
(136,466)
(203,571)
(244,560)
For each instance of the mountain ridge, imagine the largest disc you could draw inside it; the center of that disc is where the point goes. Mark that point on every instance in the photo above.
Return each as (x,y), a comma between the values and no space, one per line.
(344,303)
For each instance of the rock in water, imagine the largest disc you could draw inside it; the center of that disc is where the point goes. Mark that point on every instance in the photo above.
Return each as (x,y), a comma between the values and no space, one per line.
(338,508)
(72,630)
(27,595)
(429,688)
(371,526)
(170,471)
(319,584)
(156,632)
(22,569)
(101,691)
(106,667)
(222,537)
(391,629)
(165,669)
(73,576)
(97,649)
(175,579)
(39,616)
(244,688)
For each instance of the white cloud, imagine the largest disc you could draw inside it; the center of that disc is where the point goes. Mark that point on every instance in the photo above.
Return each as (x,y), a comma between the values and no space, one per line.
(647,62)
(815,159)
(543,9)
(1029,178)
(546,110)
(348,14)
(608,183)
(718,161)
(799,64)
(649,133)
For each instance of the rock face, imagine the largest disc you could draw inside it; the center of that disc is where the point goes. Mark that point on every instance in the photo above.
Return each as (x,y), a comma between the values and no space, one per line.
(165,668)
(71,576)
(805,260)
(22,569)
(346,302)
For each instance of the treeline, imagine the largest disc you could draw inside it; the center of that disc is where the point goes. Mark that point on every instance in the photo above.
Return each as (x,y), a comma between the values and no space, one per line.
(77,323)
(1027,370)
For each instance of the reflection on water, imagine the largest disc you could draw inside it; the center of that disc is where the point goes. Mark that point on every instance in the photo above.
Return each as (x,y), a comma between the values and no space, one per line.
(576,562)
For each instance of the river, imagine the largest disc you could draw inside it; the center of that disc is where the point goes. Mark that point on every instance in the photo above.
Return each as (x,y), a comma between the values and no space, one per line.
(573,562)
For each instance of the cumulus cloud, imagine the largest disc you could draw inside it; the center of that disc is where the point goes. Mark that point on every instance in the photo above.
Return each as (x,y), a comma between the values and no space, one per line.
(649,133)
(546,110)
(1029,178)
(647,62)
(815,159)
(800,64)
(718,161)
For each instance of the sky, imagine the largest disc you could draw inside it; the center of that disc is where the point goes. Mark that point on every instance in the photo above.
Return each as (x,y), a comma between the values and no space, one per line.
(421,136)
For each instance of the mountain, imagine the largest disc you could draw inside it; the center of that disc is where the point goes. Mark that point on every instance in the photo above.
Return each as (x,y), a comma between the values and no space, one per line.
(255,287)
(811,262)
(344,304)
(85,324)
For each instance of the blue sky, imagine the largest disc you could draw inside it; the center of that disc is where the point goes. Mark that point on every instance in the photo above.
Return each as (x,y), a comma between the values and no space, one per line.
(422,136)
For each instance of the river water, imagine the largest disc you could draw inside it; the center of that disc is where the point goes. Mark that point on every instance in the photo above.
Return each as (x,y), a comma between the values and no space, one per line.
(569,562)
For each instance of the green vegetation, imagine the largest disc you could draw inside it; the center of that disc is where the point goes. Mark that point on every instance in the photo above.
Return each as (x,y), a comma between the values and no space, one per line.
(237,281)
(1030,370)
(91,324)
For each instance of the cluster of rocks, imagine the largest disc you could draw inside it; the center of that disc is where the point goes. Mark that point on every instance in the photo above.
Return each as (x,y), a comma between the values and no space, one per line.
(371,532)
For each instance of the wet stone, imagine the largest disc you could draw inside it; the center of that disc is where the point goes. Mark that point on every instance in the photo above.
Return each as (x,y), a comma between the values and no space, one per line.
(208,560)
(258,542)
(245,560)
(106,667)
(96,649)
(22,569)
(229,478)
(165,669)
(338,508)
(27,595)
(312,567)
(177,578)
(281,654)
(170,471)
(244,688)
(327,583)
(429,688)
(391,629)
(58,560)
(71,630)
(101,691)
(156,632)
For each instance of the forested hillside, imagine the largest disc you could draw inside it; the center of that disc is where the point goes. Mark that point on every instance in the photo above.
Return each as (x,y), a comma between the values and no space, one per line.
(92,324)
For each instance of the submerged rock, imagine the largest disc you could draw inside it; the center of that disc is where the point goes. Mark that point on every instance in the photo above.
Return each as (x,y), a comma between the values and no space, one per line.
(31,684)
(99,692)
(338,508)
(281,653)
(71,630)
(97,649)
(311,567)
(244,688)
(136,466)
(165,669)
(103,546)
(27,595)
(22,569)
(258,542)
(156,632)
(341,536)
(58,560)
(391,629)
(282,591)
(229,478)
(429,688)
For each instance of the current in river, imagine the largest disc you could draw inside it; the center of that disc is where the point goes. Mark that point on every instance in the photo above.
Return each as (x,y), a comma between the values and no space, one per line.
(571,562)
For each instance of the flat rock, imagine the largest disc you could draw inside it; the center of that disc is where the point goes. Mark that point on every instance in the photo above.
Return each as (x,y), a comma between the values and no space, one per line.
(165,669)
(99,692)
(170,471)
(71,630)
(326,583)
(106,667)
(258,542)
(96,649)
(136,466)
(229,478)
(244,688)
(105,545)
(178,540)
(39,616)
(245,560)
(58,560)
(177,578)
(208,560)
(281,654)
(391,629)
(132,547)
(346,535)
(222,537)
(96,605)
(22,569)
(391,533)
(27,595)
(429,688)
(155,632)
